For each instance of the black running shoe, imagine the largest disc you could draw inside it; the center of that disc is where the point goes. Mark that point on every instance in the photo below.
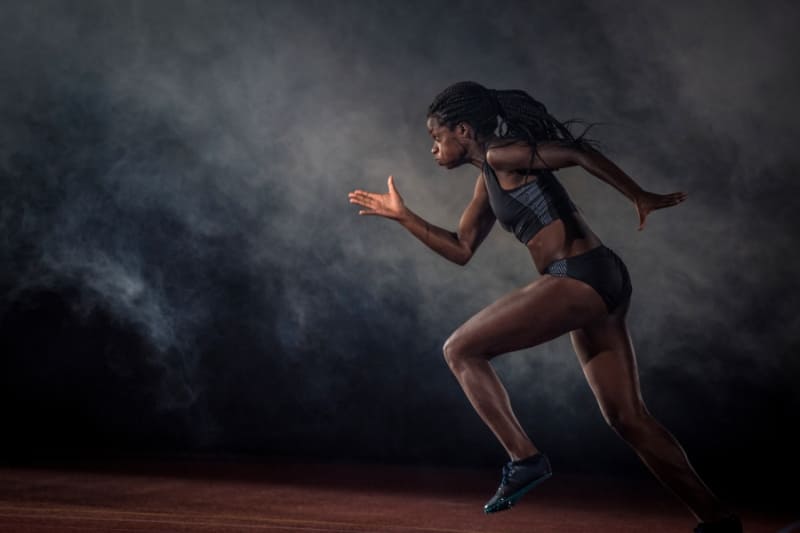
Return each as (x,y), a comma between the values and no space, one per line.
(729,524)
(518,478)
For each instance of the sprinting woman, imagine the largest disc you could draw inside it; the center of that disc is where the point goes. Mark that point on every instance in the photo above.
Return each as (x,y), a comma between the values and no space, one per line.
(583,289)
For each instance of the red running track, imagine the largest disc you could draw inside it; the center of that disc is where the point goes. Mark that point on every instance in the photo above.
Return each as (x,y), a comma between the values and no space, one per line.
(217,496)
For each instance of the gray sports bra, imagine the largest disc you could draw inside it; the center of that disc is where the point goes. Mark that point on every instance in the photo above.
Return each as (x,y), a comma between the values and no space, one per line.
(526,209)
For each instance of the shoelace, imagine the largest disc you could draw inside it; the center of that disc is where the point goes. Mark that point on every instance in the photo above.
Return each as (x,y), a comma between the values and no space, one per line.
(508,471)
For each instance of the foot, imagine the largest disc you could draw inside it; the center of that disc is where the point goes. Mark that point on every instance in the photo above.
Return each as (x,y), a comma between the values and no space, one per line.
(518,478)
(729,524)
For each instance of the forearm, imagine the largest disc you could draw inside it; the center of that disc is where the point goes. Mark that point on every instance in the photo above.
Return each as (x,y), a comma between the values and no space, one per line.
(440,240)
(600,166)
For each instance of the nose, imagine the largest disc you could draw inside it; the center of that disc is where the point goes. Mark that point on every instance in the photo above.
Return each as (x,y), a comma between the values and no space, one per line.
(433,149)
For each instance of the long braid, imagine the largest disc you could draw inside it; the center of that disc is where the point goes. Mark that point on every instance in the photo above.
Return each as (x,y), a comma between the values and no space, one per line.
(528,119)
(504,114)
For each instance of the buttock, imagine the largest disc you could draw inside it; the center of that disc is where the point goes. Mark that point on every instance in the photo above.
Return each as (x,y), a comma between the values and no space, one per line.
(601,269)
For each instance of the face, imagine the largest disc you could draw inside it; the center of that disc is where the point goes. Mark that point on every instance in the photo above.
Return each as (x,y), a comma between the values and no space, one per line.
(449,145)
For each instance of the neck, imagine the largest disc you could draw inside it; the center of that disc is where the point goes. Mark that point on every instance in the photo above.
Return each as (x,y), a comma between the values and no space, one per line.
(476,154)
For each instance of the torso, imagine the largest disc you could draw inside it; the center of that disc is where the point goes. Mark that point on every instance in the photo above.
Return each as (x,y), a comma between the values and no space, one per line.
(564,232)
(556,242)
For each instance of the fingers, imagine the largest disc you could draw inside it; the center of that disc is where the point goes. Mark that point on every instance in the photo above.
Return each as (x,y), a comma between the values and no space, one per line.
(677,197)
(652,201)
(358,195)
(359,192)
(366,199)
(376,203)
(668,200)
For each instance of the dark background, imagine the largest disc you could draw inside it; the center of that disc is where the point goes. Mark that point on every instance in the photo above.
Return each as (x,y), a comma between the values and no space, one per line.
(181,271)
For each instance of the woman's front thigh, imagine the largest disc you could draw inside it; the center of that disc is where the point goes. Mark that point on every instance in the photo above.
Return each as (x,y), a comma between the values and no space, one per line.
(531,315)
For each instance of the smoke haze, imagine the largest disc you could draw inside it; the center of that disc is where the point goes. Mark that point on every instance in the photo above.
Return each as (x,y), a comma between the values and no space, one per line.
(182,269)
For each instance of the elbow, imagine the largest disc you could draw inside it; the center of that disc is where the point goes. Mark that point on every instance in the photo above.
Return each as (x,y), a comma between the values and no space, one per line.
(461,253)
(463,258)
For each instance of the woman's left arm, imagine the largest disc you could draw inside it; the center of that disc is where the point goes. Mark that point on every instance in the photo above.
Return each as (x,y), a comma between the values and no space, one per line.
(557,156)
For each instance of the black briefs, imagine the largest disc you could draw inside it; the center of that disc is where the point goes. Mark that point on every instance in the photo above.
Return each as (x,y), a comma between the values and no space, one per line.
(601,269)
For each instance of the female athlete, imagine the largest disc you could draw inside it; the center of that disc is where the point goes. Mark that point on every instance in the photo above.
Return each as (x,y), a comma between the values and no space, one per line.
(583,289)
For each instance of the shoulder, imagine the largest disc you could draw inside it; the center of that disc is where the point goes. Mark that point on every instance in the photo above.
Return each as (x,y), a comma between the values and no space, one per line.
(519,155)
(506,156)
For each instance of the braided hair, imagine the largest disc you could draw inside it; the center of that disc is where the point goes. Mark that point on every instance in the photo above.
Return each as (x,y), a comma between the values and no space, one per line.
(509,116)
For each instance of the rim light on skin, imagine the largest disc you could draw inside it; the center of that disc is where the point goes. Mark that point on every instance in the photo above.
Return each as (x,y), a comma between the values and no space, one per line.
(454,147)
(461,122)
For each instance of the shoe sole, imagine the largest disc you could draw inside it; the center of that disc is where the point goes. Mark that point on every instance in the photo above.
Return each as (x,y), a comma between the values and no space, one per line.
(507,503)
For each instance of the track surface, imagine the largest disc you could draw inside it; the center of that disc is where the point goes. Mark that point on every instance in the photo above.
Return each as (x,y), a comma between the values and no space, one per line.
(219,496)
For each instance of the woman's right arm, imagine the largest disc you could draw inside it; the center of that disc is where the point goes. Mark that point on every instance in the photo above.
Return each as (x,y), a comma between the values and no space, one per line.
(475,224)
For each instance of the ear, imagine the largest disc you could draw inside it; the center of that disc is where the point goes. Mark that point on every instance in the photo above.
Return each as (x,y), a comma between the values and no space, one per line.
(463,129)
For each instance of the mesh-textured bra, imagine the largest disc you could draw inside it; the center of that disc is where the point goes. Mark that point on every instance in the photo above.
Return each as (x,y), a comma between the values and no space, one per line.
(526,209)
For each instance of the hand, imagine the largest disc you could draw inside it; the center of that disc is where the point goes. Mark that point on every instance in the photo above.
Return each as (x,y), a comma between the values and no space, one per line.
(648,201)
(388,205)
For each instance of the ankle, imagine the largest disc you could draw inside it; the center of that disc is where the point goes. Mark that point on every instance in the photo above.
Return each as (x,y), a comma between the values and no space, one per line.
(535,458)
(520,453)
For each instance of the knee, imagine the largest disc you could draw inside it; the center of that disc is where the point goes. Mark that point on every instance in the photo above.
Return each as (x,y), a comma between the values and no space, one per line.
(627,421)
(456,352)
